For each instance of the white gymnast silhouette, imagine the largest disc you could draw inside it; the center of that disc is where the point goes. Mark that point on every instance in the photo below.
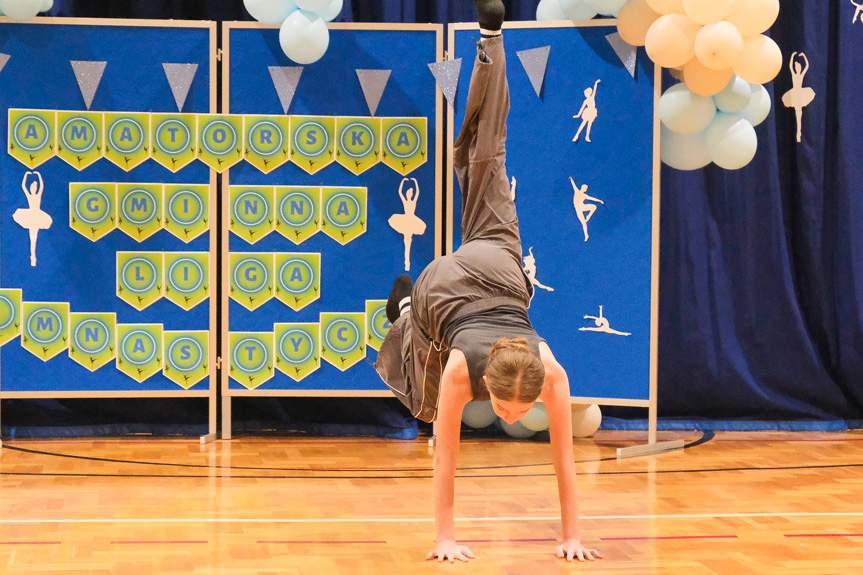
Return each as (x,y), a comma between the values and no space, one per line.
(408,224)
(512,189)
(582,209)
(798,97)
(858,13)
(530,270)
(33,218)
(588,112)
(601,325)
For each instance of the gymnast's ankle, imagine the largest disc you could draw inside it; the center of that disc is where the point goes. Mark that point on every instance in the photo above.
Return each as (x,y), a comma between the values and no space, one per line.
(490,16)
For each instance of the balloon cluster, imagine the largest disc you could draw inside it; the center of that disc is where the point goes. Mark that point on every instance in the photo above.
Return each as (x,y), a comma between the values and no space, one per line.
(578,10)
(698,130)
(480,414)
(24,9)
(304,35)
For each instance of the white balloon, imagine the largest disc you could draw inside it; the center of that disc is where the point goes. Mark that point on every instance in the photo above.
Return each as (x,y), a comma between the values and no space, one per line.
(331,10)
(586,422)
(683,151)
(304,37)
(685,112)
(578,10)
(47,5)
(516,430)
(537,418)
(478,414)
(21,9)
(550,10)
(270,11)
(312,5)
(731,141)
(734,97)
(759,105)
(607,7)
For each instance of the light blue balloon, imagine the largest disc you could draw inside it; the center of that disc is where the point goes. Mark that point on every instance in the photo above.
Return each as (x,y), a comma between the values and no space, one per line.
(21,9)
(329,12)
(684,111)
(683,151)
(536,419)
(759,105)
(478,414)
(270,11)
(550,10)
(304,37)
(607,7)
(578,10)
(312,5)
(516,430)
(731,141)
(735,96)
(47,5)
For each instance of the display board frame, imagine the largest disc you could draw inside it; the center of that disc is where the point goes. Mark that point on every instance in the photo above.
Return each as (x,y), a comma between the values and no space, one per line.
(228,392)
(210,389)
(650,401)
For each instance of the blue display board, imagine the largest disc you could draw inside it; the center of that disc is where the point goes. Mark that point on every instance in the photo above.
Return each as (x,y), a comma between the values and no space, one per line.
(355,269)
(591,245)
(76,267)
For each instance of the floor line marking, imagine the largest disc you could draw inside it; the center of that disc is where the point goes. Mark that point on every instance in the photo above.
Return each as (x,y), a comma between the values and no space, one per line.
(431,519)
(668,537)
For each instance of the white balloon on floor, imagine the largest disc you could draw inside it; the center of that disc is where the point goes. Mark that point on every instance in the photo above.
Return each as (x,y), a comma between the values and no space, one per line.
(478,414)
(586,422)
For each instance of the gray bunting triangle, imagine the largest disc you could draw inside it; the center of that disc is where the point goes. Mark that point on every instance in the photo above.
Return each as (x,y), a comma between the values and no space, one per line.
(88,74)
(535,62)
(447,73)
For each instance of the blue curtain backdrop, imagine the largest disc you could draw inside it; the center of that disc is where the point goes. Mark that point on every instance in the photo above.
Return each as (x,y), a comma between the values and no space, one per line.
(761,299)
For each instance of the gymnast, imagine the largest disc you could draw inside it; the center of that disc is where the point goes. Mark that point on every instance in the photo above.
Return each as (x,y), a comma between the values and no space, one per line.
(462,332)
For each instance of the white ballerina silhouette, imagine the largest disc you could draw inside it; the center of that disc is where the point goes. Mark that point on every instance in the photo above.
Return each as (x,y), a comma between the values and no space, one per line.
(32,218)
(588,112)
(798,97)
(530,270)
(601,325)
(858,13)
(408,224)
(582,209)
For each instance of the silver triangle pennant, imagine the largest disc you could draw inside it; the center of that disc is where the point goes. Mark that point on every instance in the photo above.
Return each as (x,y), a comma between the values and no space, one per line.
(625,51)
(446,74)
(89,75)
(180,77)
(535,62)
(286,79)
(3,59)
(374,82)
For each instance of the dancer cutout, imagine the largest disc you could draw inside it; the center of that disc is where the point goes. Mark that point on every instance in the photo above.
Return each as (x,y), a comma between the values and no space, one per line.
(588,112)
(33,218)
(462,332)
(408,224)
(602,325)
(582,209)
(530,270)
(858,13)
(512,189)
(798,97)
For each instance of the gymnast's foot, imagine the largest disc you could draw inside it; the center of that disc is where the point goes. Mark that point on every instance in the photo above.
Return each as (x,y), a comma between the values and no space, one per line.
(490,15)
(399,301)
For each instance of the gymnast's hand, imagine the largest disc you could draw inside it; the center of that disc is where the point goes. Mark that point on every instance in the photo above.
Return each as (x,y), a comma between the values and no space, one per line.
(573,549)
(450,550)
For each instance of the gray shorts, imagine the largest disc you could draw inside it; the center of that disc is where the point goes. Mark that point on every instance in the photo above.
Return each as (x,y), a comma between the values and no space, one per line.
(486,271)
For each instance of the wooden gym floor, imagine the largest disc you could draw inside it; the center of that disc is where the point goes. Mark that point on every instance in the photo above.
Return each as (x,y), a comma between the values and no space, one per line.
(777,503)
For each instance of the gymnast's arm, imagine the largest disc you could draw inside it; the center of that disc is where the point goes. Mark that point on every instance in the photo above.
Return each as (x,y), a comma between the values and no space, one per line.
(555,395)
(454,394)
